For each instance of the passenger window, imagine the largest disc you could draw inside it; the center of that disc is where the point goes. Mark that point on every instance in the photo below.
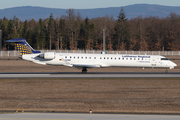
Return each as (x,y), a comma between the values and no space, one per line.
(115,58)
(122,58)
(111,58)
(130,58)
(104,57)
(119,58)
(89,57)
(65,56)
(86,57)
(81,57)
(100,57)
(94,57)
(107,57)
(134,58)
(74,57)
(126,58)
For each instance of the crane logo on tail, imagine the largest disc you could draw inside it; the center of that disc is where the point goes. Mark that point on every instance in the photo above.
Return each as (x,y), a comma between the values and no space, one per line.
(23,49)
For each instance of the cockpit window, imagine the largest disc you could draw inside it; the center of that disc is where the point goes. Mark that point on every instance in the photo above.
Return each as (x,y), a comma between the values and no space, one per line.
(164,59)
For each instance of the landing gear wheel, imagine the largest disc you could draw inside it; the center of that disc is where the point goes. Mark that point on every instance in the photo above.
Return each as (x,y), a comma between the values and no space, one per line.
(84,70)
(166,71)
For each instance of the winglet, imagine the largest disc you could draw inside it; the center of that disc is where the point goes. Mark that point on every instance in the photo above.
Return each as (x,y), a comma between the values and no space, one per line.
(23,46)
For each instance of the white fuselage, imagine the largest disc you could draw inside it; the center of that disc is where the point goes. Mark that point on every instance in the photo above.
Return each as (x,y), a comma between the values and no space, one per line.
(102,60)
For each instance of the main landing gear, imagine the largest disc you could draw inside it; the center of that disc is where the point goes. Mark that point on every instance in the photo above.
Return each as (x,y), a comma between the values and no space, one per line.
(84,70)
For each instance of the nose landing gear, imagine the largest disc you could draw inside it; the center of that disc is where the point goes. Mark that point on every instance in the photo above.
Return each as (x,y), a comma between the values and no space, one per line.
(166,71)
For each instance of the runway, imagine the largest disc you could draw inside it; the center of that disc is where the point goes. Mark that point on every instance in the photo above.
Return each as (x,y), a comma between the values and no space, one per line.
(79,116)
(92,75)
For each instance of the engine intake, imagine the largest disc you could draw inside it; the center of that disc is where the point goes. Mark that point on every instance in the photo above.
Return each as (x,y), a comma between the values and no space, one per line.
(48,55)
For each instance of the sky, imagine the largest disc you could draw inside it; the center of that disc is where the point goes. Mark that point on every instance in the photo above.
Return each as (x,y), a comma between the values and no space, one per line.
(83,4)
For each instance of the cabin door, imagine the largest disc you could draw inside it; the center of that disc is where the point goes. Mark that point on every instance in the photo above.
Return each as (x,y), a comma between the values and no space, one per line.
(153,62)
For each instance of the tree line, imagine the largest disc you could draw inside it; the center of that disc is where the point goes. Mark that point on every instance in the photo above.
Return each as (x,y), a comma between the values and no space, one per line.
(73,32)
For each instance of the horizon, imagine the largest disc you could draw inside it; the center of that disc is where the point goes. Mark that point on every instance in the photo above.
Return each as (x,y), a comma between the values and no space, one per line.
(132,11)
(93,4)
(88,8)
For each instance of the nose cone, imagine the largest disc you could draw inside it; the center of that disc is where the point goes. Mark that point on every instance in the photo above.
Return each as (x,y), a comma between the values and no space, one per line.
(172,65)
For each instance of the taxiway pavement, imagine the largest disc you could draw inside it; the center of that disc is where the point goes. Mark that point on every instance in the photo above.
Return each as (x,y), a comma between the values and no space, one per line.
(92,75)
(79,116)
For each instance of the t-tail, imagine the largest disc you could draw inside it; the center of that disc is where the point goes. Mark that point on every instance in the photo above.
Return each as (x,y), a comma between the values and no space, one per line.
(23,46)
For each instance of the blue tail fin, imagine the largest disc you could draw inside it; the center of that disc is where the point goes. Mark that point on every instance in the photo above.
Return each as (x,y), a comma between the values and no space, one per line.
(23,46)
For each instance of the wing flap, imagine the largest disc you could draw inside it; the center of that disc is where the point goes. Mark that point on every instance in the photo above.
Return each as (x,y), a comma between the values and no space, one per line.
(39,62)
(86,65)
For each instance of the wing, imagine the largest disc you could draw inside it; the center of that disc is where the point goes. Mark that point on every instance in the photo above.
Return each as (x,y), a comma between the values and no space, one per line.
(86,66)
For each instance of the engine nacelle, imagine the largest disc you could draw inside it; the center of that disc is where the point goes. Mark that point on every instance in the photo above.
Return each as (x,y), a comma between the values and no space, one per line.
(48,55)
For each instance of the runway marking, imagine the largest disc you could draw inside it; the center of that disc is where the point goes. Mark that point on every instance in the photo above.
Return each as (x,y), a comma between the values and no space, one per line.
(34,119)
(92,75)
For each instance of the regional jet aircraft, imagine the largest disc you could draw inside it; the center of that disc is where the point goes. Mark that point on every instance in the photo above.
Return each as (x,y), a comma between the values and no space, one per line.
(84,61)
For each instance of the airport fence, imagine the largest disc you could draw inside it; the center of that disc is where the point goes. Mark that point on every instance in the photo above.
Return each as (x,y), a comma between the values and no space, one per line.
(164,53)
